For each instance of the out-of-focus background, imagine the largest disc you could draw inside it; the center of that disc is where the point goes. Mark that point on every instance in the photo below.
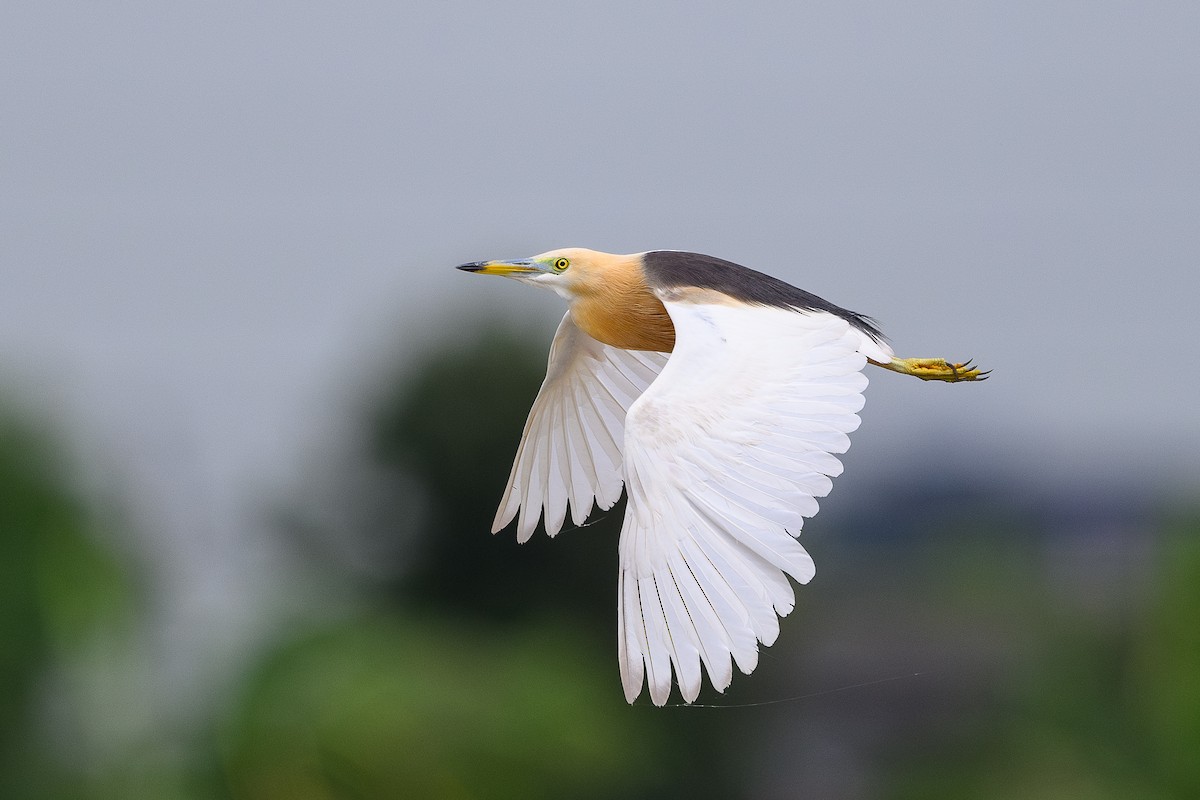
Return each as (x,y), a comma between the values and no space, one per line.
(253,425)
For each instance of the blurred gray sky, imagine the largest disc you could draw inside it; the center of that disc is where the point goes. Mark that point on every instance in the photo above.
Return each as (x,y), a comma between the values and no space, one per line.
(214,216)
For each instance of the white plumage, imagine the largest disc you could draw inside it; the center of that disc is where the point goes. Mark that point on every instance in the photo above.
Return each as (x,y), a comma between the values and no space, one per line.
(723,455)
(723,447)
(573,439)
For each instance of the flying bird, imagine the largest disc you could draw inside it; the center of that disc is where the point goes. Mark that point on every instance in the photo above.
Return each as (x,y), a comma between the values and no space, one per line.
(717,396)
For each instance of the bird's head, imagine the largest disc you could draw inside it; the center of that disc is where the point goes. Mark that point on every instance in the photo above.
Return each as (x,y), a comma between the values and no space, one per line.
(570,272)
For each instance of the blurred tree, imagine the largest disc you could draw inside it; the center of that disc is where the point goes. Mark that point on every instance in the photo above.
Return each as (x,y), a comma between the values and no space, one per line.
(389,707)
(1101,705)
(474,667)
(453,427)
(484,668)
(1166,668)
(59,590)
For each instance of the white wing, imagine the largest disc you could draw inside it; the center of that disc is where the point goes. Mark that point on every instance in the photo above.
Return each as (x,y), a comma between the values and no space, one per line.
(572,443)
(725,456)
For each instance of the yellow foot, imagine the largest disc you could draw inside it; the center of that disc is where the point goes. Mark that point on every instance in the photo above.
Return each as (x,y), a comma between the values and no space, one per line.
(936,369)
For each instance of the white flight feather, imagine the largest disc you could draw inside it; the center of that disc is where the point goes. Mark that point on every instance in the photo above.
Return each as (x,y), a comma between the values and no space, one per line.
(725,455)
(571,447)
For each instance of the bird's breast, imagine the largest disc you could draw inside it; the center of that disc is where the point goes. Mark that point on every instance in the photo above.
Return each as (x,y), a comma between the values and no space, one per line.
(628,318)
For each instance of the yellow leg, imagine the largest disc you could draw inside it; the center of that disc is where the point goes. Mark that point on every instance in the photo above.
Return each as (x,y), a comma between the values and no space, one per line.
(935,369)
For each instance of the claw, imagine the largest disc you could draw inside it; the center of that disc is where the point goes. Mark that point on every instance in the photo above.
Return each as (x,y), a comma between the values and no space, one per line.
(937,369)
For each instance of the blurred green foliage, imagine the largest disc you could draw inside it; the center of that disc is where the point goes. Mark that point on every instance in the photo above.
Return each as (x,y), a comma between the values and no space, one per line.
(1099,703)
(452,426)
(385,707)
(468,666)
(1166,665)
(492,663)
(59,592)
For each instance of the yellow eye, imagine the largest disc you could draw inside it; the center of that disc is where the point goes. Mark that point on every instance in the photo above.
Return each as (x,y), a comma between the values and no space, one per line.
(561,264)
